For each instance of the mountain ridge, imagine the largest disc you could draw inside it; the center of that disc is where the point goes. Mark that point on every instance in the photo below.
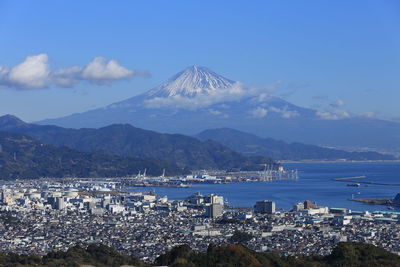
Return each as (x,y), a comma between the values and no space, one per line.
(172,108)
(128,141)
(250,144)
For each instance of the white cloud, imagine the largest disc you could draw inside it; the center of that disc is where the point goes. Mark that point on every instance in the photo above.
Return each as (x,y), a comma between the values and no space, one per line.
(103,72)
(369,114)
(326,115)
(67,77)
(263,97)
(337,103)
(333,115)
(218,113)
(285,113)
(35,73)
(234,93)
(259,112)
(215,112)
(331,110)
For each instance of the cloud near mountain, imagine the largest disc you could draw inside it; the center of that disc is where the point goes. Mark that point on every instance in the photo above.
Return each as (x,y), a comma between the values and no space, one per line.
(259,112)
(235,92)
(35,73)
(197,98)
(333,115)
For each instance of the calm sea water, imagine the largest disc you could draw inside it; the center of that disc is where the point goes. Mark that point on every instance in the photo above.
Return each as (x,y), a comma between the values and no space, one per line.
(314,183)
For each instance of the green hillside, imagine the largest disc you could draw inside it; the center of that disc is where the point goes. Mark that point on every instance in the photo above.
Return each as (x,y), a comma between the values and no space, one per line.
(128,141)
(24,157)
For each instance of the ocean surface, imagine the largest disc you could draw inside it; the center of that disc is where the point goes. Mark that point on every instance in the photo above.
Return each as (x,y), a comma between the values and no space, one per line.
(315,183)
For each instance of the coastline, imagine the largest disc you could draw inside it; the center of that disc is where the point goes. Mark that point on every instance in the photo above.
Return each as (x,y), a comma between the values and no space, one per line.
(334,161)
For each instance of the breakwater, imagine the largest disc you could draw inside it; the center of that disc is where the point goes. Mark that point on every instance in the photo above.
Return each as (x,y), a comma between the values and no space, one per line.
(354,179)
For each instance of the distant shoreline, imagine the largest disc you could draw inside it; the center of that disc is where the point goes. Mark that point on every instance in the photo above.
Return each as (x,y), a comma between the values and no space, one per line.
(335,161)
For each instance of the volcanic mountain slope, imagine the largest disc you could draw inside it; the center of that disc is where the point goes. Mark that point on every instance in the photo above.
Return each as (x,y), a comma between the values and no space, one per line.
(128,141)
(191,82)
(197,99)
(24,157)
(252,145)
(188,101)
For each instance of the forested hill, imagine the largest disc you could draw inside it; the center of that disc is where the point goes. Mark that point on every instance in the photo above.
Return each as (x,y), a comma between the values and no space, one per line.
(93,255)
(128,141)
(345,254)
(24,157)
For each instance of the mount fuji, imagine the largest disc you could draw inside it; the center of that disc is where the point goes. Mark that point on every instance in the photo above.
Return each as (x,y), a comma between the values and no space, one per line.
(191,82)
(197,99)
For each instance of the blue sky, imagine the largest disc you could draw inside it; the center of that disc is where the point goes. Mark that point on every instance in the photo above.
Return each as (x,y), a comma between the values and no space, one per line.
(322,51)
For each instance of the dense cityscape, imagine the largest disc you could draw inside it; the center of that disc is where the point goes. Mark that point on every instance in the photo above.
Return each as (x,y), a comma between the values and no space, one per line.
(39,216)
(200,133)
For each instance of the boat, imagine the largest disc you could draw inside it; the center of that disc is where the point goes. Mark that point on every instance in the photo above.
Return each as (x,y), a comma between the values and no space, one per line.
(355,185)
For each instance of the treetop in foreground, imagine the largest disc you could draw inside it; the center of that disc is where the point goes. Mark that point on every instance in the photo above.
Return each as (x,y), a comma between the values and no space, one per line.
(233,255)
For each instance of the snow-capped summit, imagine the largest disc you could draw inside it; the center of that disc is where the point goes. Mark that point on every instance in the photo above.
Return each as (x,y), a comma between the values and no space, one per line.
(191,82)
(197,99)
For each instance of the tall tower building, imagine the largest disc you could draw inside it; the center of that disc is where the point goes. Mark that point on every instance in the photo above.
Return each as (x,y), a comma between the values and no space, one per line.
(60,204)
(215,206)
(214,210)
(264,207)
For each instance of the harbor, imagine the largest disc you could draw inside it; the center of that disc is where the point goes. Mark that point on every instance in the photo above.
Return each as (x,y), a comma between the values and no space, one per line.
(315,179)
(200,177)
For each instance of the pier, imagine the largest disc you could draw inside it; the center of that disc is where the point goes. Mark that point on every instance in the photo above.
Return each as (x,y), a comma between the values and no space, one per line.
(354,180)
(348,179)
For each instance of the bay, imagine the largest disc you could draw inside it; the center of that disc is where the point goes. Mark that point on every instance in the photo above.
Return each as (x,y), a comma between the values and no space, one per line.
(315,183)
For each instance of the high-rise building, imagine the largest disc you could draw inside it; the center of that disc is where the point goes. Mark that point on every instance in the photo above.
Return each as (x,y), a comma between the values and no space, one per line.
(215,206)
(60,204)
(310,205)
(214,210)
(214,199)
(264,207)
